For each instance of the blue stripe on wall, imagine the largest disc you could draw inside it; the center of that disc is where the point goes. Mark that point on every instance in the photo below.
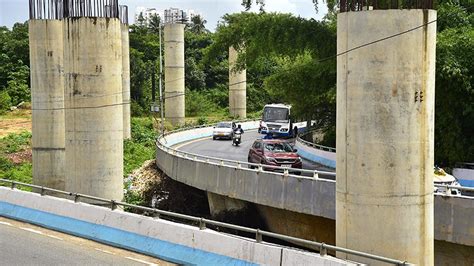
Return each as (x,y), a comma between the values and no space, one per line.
(315,158)
(151,246)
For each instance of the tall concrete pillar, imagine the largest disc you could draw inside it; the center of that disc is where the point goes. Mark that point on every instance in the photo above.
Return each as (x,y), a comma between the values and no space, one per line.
(385,120)
(127,133)
(47,98)
(174,73)
(93,101)
(237,87)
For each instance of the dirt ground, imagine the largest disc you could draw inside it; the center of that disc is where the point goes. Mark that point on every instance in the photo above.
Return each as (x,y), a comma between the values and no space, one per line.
(15,122)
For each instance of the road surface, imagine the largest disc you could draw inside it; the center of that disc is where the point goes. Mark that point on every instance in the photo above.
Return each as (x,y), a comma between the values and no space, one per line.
(26,244)
(225,150)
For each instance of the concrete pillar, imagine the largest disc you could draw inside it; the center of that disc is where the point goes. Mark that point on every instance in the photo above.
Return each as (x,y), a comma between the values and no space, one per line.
(385,120)
(174,73)
(237,87)
(47,97)
(127,133)
(219,205)
(93,101)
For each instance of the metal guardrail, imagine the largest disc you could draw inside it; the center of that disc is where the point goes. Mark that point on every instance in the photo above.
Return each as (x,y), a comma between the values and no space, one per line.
(314,145)
(202,222)
(238,164)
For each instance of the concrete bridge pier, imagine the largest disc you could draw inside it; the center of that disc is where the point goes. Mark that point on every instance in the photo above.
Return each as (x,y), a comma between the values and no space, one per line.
(174,73)
(237,87)
(47,98)
(93,102)
(219,204)
(385,121)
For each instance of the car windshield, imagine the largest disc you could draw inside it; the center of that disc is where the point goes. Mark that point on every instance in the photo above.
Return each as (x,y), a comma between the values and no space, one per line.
(278,147)
(224,125)
(272,114)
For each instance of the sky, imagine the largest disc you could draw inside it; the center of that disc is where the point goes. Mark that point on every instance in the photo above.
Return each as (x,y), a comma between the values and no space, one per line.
(12,11)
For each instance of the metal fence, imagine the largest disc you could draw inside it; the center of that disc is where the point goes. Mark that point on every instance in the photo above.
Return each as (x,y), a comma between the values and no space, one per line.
(202,222)
(360,5)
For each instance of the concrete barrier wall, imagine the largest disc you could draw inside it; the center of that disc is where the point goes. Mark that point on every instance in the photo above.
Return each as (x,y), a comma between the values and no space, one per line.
(170,241)
(453,215)
(326,158)
(454,219)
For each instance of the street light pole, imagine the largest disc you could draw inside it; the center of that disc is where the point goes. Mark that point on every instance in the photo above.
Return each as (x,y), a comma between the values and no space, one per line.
(160,87)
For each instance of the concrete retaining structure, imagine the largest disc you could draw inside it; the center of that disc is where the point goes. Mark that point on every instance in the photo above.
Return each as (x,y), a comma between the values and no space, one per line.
(174,73)
(169,241)
(93,102)
(237,87)
(326,158)
(47,98)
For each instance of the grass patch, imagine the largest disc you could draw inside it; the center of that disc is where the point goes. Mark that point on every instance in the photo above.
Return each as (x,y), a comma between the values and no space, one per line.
(13,143)
(142,145)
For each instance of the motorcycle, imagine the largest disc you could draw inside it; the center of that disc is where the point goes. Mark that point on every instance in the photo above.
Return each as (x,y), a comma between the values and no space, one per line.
(237,139)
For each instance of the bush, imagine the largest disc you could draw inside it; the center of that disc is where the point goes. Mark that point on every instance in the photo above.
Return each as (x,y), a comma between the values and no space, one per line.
(15,142)
(5,102)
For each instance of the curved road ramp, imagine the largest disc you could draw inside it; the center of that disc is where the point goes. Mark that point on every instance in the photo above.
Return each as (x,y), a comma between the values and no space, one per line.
(170,241)
(312,195)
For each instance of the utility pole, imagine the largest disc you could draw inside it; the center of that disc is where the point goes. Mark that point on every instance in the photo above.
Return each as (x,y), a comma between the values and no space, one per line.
(160,86)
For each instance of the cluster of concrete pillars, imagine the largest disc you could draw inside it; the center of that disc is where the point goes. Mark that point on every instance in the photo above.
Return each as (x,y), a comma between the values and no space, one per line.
(385,121)
(80,103)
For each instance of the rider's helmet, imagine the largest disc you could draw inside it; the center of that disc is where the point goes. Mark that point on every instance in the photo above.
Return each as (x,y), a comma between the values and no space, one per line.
(239,126)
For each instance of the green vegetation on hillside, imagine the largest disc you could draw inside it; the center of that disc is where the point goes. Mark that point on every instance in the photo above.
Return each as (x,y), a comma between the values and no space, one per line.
(288,59)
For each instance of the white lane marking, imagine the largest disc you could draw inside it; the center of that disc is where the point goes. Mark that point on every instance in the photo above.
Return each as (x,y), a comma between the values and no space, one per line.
(55,237)
(142,261)
(105,251)
(32,230)
(5,223)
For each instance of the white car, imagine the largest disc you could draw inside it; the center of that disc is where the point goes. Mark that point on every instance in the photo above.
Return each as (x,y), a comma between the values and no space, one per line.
(223,130)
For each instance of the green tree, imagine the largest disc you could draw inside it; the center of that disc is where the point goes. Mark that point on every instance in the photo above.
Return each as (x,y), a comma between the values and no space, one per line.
(454,116)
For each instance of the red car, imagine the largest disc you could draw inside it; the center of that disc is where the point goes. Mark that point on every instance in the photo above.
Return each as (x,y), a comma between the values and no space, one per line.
(274,152)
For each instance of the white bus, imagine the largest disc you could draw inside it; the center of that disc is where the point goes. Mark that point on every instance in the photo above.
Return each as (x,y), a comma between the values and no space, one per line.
(276,120)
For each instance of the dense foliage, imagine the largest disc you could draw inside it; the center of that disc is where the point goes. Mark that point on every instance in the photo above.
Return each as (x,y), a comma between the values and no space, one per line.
(286,58)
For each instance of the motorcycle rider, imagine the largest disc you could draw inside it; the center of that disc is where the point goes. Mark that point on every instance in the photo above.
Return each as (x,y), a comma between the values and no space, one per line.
(239,129)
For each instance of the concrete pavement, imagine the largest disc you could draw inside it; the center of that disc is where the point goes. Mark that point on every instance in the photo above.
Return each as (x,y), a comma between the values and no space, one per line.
(26,244)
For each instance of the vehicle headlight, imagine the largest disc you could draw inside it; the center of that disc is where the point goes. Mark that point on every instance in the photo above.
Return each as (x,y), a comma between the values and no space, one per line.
(284,129)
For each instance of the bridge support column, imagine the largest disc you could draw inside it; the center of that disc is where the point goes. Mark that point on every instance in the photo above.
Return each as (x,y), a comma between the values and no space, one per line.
(174,73)
(127,133)
(220,204)
(93,101)
(237,87)
(47,97)
(385,121)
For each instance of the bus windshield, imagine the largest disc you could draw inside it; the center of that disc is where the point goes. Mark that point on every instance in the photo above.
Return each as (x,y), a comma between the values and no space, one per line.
(275,114)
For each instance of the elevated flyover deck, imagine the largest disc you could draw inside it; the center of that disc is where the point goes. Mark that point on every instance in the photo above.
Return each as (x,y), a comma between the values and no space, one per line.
(190,157)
